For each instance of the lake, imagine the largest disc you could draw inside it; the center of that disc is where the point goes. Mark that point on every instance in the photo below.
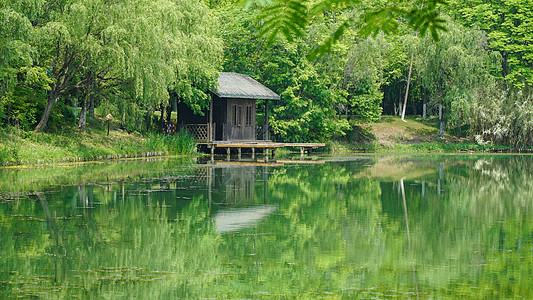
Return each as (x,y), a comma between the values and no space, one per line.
(333,227)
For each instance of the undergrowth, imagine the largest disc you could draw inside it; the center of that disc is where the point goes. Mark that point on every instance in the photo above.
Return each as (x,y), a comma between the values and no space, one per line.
(18,147)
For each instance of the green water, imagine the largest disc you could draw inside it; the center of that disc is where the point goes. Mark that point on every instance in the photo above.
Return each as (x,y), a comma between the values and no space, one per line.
(341,228)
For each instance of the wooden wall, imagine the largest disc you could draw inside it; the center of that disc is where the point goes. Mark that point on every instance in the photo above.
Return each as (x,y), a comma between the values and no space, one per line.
(240,120)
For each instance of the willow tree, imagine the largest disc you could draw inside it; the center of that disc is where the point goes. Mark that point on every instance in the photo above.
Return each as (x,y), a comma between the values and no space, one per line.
(16,51)
(152,45)
(453,68)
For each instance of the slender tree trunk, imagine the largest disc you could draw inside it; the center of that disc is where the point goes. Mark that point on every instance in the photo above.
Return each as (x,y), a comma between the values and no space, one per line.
(408,84)
(162,117)
(82,123)
(52,98)
(425,104)
(441,117)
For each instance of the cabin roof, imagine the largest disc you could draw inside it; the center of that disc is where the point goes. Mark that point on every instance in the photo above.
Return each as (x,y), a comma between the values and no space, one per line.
(241,86)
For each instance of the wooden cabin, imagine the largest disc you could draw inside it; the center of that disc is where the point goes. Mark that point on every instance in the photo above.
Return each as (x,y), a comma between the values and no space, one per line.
(232,111)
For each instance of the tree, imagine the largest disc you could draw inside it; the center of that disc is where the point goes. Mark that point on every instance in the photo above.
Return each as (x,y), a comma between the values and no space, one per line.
(90,47)
(16,51)
(509,25)
(453,68)
(290,19)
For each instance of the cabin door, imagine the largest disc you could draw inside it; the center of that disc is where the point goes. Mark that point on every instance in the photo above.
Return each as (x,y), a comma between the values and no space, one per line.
(242,120)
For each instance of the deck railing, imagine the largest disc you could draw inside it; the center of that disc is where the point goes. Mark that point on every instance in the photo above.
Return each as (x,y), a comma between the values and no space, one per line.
(170,128)
(199,131)
(260,132)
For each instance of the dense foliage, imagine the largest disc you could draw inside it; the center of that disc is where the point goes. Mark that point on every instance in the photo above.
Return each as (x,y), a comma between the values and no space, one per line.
(63,60)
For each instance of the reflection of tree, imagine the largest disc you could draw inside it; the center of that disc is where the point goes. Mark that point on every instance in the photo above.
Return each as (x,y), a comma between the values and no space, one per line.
(339,228)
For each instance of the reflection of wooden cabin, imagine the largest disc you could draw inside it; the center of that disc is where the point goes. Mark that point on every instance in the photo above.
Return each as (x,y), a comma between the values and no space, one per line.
(232,111)
(234,185)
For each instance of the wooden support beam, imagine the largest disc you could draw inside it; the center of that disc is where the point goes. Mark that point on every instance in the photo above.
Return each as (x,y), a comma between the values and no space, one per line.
(210,127)
(265,129)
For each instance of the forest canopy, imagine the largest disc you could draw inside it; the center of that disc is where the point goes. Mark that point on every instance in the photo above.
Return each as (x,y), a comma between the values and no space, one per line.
(336,64)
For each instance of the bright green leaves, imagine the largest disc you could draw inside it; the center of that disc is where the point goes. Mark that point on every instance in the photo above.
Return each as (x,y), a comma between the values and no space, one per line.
(509,24)
(133,51)
(15,50)
(290,18)
(422,17)
(328,43)
(287,17)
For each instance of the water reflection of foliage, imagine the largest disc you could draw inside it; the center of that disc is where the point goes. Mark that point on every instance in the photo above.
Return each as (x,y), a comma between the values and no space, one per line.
(88,250)
(19,180)
(335,234)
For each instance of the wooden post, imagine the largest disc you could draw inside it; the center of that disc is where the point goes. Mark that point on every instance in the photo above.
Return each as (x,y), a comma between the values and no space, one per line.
(274,153)
(265,129)
(210,127)
(239,152)
(253,153)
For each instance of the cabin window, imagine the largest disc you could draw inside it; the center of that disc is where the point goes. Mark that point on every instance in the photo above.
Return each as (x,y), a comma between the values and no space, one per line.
(239,115)
(248,115)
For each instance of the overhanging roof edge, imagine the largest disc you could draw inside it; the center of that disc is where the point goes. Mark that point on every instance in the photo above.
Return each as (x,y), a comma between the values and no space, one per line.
(255,97)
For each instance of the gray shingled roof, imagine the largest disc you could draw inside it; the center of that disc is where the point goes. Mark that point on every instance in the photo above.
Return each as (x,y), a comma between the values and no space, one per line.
(234,85)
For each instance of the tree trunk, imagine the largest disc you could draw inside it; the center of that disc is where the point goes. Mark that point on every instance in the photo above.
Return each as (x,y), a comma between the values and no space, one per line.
(169,112)
(91,106)
(148,119)
(407,88)
(52,98)
(441,117)
(162,118)
(82,123)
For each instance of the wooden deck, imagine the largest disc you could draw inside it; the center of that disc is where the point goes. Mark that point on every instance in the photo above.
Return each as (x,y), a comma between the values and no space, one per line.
(253,145)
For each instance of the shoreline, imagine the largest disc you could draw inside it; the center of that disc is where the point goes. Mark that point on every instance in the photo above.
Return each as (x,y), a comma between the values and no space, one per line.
(67,162)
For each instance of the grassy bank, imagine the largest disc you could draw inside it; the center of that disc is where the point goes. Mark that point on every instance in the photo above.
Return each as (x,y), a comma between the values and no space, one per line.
(26,148)
(413,135)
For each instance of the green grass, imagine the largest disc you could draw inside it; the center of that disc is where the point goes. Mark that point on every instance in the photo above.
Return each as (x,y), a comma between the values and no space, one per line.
(414,135)
(26,148)
(423,147)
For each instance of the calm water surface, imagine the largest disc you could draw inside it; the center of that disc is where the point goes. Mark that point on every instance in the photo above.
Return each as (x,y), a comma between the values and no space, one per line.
(335,228)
